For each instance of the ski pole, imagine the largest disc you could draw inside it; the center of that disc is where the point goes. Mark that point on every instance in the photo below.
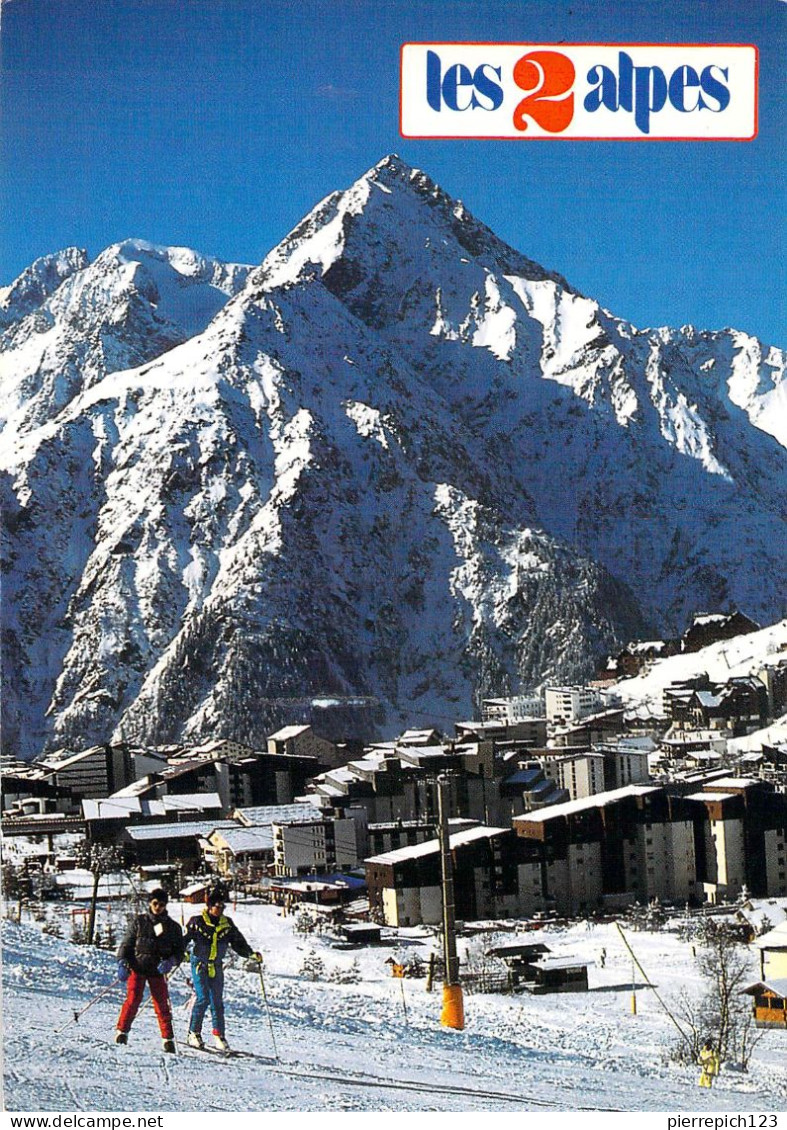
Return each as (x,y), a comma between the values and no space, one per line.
(89,1004)
(270,1018)
(404,1001)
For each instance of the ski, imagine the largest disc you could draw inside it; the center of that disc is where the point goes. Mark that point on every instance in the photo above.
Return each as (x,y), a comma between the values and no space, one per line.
(233,1053)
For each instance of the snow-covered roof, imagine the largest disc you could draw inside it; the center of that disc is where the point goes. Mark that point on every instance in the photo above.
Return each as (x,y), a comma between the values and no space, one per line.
(240,840)
(257,815)
(710,795)
(431,847)
(416,737)
(709,698)
(120,808)
(556,962)
(184,828)
(287,732)
(774,939)
(695,737)
(598,800)
(736,783)
(777,986)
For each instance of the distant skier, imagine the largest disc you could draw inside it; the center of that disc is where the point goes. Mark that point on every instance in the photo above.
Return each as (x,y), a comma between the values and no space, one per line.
(153,946)
(209,935)
(709,1062)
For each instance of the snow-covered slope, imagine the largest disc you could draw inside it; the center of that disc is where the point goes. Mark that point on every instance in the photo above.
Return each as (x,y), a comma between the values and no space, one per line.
(403,462)
(635,445)
(373,1044)
(733,658)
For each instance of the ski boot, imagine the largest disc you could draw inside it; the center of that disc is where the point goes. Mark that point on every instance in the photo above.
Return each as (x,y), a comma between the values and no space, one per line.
(194,1040)
(121,1037)
(168,1046)
(221,1043)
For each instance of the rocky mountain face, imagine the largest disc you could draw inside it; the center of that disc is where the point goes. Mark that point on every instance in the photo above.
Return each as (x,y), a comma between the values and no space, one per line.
(395,468)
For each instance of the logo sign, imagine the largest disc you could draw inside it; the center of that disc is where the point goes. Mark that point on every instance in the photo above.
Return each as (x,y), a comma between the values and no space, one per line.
(634,92)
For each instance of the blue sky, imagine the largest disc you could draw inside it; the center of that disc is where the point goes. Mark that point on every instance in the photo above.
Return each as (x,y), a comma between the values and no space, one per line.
(218,123)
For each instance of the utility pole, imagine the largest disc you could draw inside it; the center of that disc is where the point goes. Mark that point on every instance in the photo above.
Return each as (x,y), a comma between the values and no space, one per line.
(453,1013)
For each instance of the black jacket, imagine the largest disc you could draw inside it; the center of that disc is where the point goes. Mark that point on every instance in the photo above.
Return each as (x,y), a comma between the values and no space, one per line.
(150,939)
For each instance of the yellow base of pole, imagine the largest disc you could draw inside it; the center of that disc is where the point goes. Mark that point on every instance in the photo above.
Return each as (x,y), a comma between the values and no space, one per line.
(453,1014)
(633,1004)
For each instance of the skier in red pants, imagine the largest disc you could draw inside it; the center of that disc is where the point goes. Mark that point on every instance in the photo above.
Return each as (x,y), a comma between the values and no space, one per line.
(153,946)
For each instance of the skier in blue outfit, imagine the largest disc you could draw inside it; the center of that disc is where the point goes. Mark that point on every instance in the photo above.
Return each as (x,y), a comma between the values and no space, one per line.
(209,935)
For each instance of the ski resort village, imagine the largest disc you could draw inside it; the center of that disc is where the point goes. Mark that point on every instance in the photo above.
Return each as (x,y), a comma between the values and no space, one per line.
(394,662)
(616,853)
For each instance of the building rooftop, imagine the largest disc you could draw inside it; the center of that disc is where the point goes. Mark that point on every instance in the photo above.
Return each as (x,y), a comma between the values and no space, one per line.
(182,830)
(240,840)
(122,807)
(257,815)
(598,800)
(432,847)
(287,732)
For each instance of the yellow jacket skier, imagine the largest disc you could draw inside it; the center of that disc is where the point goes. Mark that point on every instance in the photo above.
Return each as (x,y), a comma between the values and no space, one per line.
(709,1062)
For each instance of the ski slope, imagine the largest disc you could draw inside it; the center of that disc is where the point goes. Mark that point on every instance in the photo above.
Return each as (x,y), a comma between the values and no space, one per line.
(350,1047)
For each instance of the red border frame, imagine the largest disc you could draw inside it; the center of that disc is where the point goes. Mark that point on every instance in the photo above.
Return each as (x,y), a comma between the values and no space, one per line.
(557,137)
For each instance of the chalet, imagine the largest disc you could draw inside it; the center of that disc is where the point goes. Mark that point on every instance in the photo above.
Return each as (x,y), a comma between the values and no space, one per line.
(770,1002)
(194,894)
(219,749)
(170,843)
(773,953)
(520,960)
(553,974)
(236,850)
(706,629)
(739,705)
(701,748)
(331,891)
(637,656)
(420,737)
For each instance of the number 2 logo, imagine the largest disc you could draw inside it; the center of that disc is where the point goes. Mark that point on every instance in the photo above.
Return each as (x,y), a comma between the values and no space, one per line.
(548,77)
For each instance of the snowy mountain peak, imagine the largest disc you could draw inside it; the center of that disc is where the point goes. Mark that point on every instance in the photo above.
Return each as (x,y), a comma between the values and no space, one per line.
(185,262)
(390,216)
(71,321)
(37,282)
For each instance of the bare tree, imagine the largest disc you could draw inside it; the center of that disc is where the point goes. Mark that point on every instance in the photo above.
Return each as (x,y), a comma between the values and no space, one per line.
(722,1014)
(99,860)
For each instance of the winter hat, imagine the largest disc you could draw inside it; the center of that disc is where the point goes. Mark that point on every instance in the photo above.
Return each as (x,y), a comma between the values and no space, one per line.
(217,894)
(158,893)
